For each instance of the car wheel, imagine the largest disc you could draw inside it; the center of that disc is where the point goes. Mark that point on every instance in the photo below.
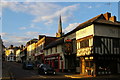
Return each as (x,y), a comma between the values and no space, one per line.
(54,73)
(45,72)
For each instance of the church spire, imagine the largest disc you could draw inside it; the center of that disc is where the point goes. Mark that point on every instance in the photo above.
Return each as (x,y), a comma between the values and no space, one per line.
(59,33)
(60,25)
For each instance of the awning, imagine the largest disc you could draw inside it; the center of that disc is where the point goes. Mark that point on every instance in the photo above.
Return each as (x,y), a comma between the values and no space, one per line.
(38,55)
(52,55)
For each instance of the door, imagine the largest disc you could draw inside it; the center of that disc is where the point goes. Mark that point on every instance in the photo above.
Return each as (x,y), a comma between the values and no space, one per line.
(82,66)
(89,67)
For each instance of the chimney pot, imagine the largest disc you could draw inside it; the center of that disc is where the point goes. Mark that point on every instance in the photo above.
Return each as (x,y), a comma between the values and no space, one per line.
(107,15)
(113,19)
(41,36)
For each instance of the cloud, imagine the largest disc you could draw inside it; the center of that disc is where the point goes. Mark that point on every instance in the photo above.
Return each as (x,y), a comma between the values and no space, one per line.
(3,34)
(89,6)
(15,43)
(46,12)
(31,26)
(15,40)
(30,33)
(66,13)
(34,26)
(19,38)
(23,28)
(70,27)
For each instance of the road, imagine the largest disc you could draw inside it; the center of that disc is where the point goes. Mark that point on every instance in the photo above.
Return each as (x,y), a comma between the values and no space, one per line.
(18,73)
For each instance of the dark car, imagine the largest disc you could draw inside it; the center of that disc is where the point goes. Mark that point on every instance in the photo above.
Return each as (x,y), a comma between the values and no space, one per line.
(28,65)
(46,69)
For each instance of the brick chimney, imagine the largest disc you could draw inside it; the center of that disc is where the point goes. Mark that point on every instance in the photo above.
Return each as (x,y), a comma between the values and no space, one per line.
(107,15)
(21,46)
(11,46)
(113,19)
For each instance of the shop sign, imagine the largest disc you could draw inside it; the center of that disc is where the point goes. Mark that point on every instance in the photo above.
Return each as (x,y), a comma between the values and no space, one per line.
(68,47)
(84,51)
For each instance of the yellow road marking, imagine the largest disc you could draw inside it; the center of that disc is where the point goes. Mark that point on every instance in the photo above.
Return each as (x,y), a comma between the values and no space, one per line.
(5,78)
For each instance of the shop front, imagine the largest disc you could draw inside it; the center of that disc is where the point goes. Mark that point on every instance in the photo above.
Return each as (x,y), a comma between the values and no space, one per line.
(39,58)
(87,65)
(107,64)
(53,60)
(96,65)
(86,61)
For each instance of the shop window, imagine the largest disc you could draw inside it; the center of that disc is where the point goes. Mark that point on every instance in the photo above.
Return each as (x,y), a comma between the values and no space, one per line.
(84,43)
(87,64)
(56,64)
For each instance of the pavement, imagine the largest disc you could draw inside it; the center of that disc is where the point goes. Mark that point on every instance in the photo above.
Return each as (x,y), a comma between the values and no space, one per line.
(76,76)
(6,74)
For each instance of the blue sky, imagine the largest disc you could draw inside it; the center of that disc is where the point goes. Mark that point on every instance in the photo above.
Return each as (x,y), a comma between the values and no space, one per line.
(22,21)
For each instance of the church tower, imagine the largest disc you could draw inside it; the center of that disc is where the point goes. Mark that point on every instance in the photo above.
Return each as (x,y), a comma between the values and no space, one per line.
(59,33)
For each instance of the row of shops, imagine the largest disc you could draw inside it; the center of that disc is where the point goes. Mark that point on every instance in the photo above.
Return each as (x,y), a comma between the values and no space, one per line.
(88,49)
(92,48)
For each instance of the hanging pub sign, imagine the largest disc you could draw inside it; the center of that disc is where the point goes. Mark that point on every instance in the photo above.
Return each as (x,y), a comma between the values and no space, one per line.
(68,46)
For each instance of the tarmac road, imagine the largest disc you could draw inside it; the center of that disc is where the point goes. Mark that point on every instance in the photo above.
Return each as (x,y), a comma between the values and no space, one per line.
(15,71)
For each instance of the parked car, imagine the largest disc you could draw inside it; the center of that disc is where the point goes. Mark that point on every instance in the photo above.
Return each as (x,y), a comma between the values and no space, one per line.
(28,65)
(46,69)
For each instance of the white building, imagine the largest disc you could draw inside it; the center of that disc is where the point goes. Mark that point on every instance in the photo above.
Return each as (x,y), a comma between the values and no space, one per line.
(11,53)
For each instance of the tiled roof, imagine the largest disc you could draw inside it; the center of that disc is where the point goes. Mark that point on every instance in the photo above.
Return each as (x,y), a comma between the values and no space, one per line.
(98,19)
(101,21)
(55,43)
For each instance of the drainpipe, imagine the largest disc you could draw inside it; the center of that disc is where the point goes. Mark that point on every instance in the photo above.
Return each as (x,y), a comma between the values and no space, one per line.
(58,63)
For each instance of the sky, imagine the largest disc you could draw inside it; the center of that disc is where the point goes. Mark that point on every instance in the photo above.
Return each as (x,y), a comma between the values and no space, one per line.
(23,21)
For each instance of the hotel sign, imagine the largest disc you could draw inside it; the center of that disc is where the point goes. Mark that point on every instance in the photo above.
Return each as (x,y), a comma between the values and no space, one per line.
(84,51)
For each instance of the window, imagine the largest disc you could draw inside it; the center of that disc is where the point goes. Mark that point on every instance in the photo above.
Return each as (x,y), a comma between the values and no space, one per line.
(77,62)
(84,43)
(56,49)
(116,43)
(51,50)
(98,42)
(46,51)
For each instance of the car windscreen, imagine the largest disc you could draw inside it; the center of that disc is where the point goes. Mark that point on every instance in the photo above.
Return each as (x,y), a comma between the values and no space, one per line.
(30,63)
(46,66)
